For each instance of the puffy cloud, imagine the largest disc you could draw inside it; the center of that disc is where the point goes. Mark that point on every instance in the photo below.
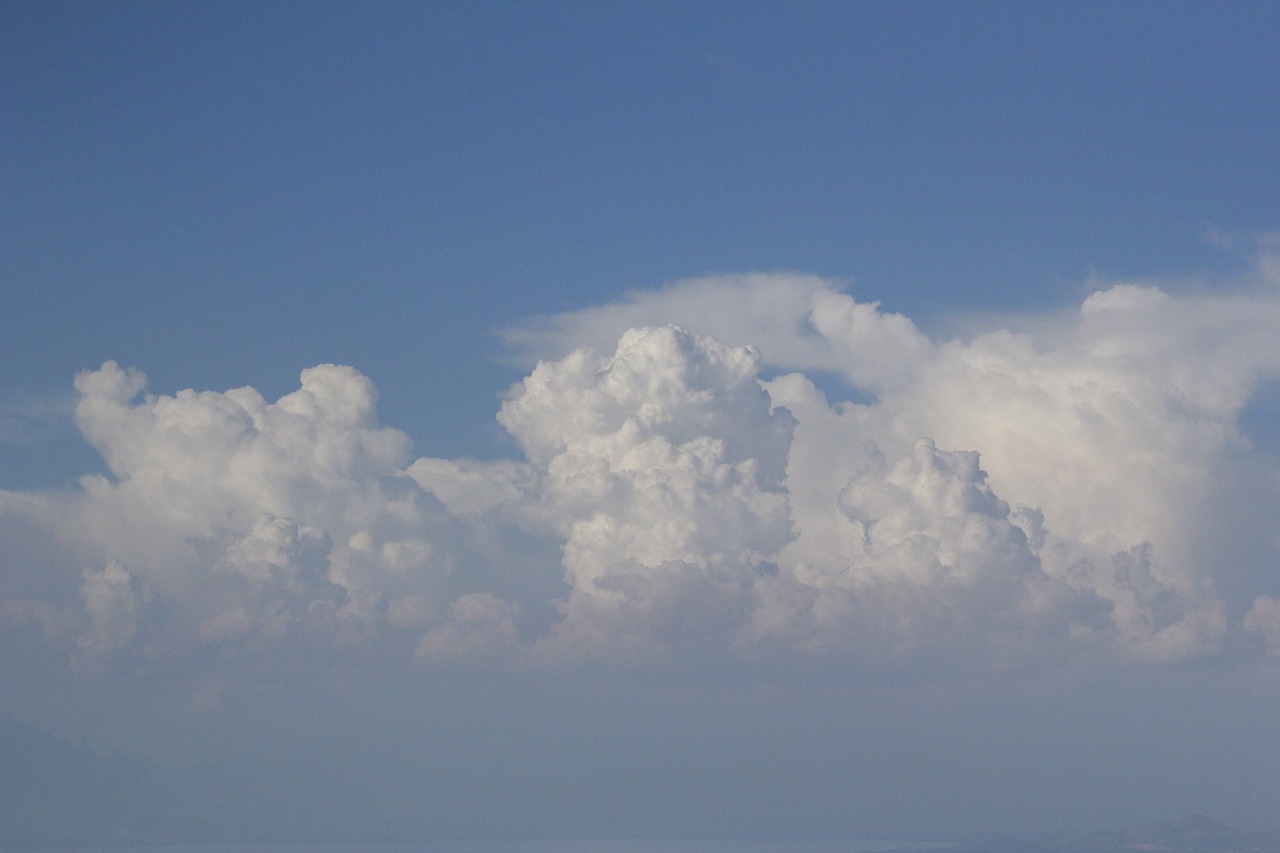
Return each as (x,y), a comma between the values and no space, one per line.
(1116,427)
(237,523)
(914,558)
(199,459)
(989,500)
(267,581)
(660,466)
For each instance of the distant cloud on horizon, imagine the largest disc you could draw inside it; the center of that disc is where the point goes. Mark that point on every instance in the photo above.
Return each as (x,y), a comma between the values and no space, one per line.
(687,495)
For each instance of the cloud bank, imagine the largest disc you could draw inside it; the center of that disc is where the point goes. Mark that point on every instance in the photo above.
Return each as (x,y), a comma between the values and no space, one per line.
(687,493)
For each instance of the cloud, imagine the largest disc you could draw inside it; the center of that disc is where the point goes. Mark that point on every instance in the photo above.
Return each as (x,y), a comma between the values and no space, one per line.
(233,523)
(480,626)
(687,494)
(112,600)
(797,322)
(1115,425)
(1264,618)
(660,469)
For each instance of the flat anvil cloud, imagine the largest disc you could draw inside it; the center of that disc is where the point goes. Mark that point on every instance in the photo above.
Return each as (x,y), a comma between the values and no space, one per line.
(991,501)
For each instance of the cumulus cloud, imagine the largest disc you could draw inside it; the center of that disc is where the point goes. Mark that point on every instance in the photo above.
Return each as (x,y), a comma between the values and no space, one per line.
(1114,426)
(687,493)
(235,523)
(660,468)
(663,468)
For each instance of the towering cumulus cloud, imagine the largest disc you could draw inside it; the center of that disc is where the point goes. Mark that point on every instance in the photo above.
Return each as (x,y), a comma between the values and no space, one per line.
(230,521)
(661,469)
(688,492)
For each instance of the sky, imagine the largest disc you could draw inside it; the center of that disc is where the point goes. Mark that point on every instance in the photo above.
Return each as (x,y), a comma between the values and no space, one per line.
(599,420)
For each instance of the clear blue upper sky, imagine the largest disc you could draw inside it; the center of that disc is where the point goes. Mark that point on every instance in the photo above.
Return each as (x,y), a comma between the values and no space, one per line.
(224,193)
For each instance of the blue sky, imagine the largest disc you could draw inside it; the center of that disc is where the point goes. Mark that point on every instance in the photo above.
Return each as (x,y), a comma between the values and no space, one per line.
(385,186)
(1066,213)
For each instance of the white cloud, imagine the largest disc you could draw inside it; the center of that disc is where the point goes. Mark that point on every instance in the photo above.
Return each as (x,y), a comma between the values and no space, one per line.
(245,522)
(1264,618)
(994,498)
(1123,297)
(1111,425)
(797,322)
(660,467)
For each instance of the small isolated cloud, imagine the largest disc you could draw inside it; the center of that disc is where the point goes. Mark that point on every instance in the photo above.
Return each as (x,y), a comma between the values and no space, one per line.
(994,500)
